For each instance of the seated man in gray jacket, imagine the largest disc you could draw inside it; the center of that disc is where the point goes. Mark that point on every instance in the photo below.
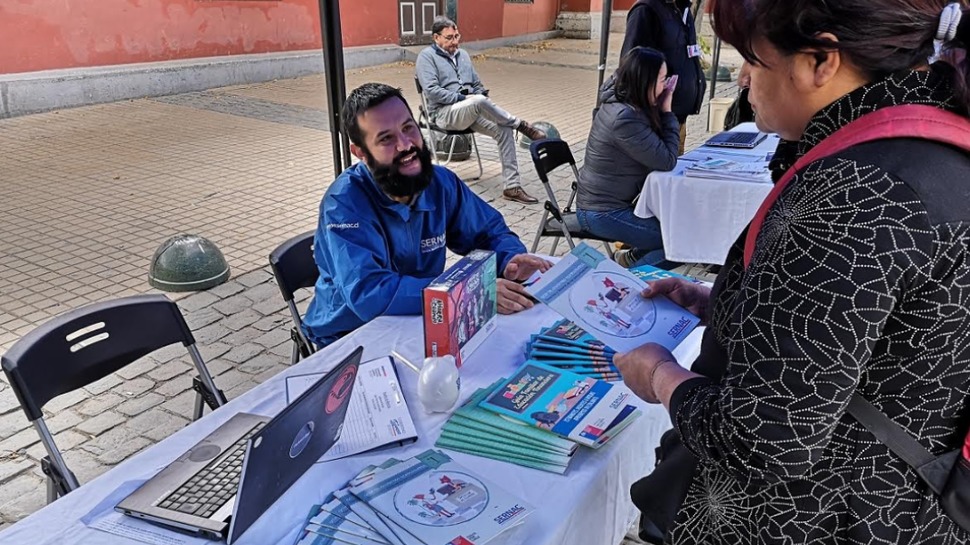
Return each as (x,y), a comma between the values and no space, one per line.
(458,100)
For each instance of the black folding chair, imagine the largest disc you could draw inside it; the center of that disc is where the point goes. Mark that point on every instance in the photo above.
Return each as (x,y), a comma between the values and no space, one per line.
(293,265)
(547,155)
(424,121)
(87,344)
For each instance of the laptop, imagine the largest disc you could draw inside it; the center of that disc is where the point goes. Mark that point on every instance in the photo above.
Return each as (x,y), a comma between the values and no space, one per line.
(227,480)
(736,139)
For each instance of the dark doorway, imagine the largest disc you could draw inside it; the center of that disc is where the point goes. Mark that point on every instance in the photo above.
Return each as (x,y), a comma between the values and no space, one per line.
(415,18)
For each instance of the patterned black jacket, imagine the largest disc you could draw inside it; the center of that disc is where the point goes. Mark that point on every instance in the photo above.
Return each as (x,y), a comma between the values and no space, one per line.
(860,280)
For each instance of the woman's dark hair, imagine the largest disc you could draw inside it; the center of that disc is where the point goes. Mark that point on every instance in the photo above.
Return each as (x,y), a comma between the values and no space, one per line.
(637,77)
(878,37)
(362,99)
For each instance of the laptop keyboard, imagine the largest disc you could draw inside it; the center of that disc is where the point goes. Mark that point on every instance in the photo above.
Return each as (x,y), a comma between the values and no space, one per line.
(211,488)
(740,138)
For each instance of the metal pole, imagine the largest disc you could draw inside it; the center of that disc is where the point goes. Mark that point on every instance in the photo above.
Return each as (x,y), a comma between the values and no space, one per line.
(714,65)
(333,69)
(604,46)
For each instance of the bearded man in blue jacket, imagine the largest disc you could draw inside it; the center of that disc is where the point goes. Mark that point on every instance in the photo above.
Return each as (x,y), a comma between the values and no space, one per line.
(386,223)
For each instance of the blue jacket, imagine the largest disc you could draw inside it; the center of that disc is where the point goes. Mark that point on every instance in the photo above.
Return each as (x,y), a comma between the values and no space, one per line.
(375,255)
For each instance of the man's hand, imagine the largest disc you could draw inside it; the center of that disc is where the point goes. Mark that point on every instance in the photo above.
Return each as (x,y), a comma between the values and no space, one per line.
(639,367)
(691,296)
(512,297)
(522,266)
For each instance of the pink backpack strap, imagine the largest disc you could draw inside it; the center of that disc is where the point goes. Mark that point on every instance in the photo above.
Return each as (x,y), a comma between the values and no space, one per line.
(907,121)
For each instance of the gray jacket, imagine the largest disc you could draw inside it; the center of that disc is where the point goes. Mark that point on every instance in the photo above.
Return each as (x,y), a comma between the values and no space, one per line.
(443,80)
(621,150)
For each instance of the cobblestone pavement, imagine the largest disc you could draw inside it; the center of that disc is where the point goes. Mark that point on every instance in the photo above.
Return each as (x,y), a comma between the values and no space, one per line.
(88,194)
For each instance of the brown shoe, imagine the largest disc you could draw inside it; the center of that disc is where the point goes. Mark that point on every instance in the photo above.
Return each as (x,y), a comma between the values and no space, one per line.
(531,132)
(518,194)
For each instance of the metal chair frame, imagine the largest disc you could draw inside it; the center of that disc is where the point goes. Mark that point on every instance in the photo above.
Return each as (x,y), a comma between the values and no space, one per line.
(294,268)
(424,121)
(87,344)
(548,155)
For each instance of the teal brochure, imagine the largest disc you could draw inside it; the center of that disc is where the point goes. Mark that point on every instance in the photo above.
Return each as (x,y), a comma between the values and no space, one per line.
(577,407)
(604,300)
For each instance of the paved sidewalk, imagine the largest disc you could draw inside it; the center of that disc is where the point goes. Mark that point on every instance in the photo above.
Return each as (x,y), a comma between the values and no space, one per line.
(88,194)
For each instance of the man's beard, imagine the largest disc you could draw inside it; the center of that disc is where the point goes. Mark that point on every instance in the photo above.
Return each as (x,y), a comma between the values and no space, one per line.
(395,184)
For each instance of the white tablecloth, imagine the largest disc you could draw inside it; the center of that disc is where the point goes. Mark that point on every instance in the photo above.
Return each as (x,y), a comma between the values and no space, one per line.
(589,505)
(701,218)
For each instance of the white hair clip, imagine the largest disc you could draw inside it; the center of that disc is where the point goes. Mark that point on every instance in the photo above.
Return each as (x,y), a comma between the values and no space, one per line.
(947,30)
(949,22)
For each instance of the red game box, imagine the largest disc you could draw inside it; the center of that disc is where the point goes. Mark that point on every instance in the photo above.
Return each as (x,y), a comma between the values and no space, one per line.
(460,307)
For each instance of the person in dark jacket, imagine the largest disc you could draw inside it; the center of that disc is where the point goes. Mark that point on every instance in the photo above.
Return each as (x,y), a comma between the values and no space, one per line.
(855,283)
(634,133)
(740,110)
(668,26)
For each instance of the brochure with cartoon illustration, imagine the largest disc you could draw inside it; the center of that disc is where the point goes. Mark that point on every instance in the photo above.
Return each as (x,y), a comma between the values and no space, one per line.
(571,405)
(603,299)
(438,501)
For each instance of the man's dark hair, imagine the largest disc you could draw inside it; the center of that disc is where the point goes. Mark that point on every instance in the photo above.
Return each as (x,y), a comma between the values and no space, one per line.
(440,23)
(362,99)
(636,78)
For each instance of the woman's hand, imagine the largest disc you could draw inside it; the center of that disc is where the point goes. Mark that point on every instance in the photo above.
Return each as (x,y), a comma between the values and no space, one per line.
(639,368)
(691,296)
(667,97)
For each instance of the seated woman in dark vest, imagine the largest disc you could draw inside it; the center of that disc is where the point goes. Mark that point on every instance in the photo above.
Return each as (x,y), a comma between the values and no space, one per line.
(634,133)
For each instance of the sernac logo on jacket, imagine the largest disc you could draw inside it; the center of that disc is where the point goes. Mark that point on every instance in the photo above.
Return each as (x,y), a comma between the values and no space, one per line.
(432,244)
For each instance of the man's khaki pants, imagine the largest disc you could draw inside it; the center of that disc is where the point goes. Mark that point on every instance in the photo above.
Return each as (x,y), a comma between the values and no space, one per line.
(483,116)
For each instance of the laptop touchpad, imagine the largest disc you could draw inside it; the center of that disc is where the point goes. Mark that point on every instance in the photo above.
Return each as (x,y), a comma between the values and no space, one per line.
(204,452)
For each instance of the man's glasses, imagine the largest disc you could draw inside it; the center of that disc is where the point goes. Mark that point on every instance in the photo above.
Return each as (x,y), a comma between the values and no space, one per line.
(451,38)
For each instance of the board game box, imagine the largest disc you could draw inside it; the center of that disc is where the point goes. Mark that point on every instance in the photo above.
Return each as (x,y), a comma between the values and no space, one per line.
(460,307)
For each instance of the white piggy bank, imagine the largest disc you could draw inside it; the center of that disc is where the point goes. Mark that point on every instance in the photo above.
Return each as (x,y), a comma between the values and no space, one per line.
(438,384)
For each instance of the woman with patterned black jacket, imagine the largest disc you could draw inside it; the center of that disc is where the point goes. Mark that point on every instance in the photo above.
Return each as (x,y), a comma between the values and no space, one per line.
(859,282)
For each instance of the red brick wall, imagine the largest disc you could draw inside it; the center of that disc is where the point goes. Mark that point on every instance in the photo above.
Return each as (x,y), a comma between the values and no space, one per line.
(539,16)
(480,19)
(47,34)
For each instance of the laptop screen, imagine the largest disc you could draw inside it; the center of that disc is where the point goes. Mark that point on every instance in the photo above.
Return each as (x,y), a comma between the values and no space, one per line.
(291,442)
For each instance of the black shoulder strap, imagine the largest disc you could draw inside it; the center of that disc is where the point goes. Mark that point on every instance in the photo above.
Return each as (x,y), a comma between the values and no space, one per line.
(932,469)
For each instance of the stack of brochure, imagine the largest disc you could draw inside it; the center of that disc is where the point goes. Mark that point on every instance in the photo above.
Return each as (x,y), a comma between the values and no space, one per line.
(425,500)
(726,169)
(565,345)
(576,407)
(603,299)
(474,430)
